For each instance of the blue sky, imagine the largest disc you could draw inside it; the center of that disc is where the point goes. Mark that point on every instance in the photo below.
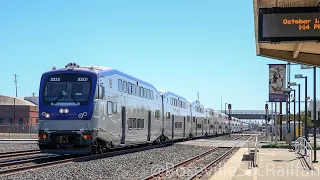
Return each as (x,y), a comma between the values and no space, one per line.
(184,46)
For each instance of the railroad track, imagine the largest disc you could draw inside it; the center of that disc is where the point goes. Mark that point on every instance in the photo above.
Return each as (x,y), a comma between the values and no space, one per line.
(18,153)
(179,171)
(28,164)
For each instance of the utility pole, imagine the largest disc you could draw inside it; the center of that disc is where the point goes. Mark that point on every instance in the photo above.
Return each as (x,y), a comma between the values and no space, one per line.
(14,100)
(16,84)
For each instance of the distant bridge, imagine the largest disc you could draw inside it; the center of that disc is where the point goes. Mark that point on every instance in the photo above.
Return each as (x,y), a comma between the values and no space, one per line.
(249,114)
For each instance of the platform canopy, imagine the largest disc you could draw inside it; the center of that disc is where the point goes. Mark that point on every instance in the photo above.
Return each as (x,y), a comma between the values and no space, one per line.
(295,50)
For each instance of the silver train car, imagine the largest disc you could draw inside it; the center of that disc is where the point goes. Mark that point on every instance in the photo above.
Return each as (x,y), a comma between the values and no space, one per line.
(92,109)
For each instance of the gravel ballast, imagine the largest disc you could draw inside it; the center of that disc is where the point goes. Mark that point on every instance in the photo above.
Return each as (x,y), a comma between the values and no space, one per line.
(129,166)
(17,147)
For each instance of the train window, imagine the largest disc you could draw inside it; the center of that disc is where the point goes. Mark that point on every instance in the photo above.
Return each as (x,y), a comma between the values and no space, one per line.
(130,123)
(157,114)
(101,91)
(144,92)
(114,107)
(175,125)
(199,126)
(138,123)
(194,119)
(129,88)
(141,91)
(120,85)
(152,95)
(171,101)
(1,121)
(188,118)
(141,124)
(134,89)
(180,125)
(211,126)
(205,121)
(148,94)
(134,123)
(125,88)
(168,115)
(109,106)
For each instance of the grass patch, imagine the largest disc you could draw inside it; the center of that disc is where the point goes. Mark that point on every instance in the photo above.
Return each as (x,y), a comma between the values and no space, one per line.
(281,146)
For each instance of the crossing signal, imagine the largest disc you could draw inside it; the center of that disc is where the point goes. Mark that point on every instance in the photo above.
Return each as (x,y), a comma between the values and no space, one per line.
(229,106)
(266,106)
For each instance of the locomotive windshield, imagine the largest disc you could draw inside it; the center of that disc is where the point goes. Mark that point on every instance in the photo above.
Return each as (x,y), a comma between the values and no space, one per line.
(67,88)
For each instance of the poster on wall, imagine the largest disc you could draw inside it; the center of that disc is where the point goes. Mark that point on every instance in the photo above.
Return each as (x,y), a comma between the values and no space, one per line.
(277,82)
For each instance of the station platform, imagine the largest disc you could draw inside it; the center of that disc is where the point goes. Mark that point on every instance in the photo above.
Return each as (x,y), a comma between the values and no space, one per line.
(272,164)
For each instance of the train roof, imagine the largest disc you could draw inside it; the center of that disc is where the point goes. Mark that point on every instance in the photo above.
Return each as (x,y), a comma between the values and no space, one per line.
(109,71)
(196,103)
(167,93)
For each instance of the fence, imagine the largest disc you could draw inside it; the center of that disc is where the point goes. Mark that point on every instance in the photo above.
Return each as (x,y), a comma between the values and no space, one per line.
(18,131)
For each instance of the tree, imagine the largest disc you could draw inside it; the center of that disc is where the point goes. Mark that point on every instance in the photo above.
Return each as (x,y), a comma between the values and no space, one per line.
(309,121)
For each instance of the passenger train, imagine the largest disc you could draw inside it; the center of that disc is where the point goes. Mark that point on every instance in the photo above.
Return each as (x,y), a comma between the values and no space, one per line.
(86,110)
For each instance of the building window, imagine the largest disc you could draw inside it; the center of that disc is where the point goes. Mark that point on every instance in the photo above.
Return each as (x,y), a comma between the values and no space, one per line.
(120,85)
(1,121)
(199,126)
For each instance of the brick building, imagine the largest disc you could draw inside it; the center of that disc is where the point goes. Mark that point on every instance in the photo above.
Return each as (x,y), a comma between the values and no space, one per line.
(17,115)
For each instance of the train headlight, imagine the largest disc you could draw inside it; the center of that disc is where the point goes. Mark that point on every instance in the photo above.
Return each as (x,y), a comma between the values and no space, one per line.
(61,111)
(47,115)
(85,114)
(66,111)
(43,113)
(80,115)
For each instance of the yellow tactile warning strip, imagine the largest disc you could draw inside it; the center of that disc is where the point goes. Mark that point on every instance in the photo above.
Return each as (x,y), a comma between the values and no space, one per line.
(227,171)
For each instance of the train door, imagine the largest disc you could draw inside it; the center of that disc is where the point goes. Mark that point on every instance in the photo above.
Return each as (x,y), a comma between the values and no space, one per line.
(184,126)
(149,125)
(202,124)
(172,134)
(123,122)
(196,126)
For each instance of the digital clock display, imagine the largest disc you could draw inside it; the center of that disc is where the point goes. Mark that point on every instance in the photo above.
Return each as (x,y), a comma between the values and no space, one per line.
(289,24)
